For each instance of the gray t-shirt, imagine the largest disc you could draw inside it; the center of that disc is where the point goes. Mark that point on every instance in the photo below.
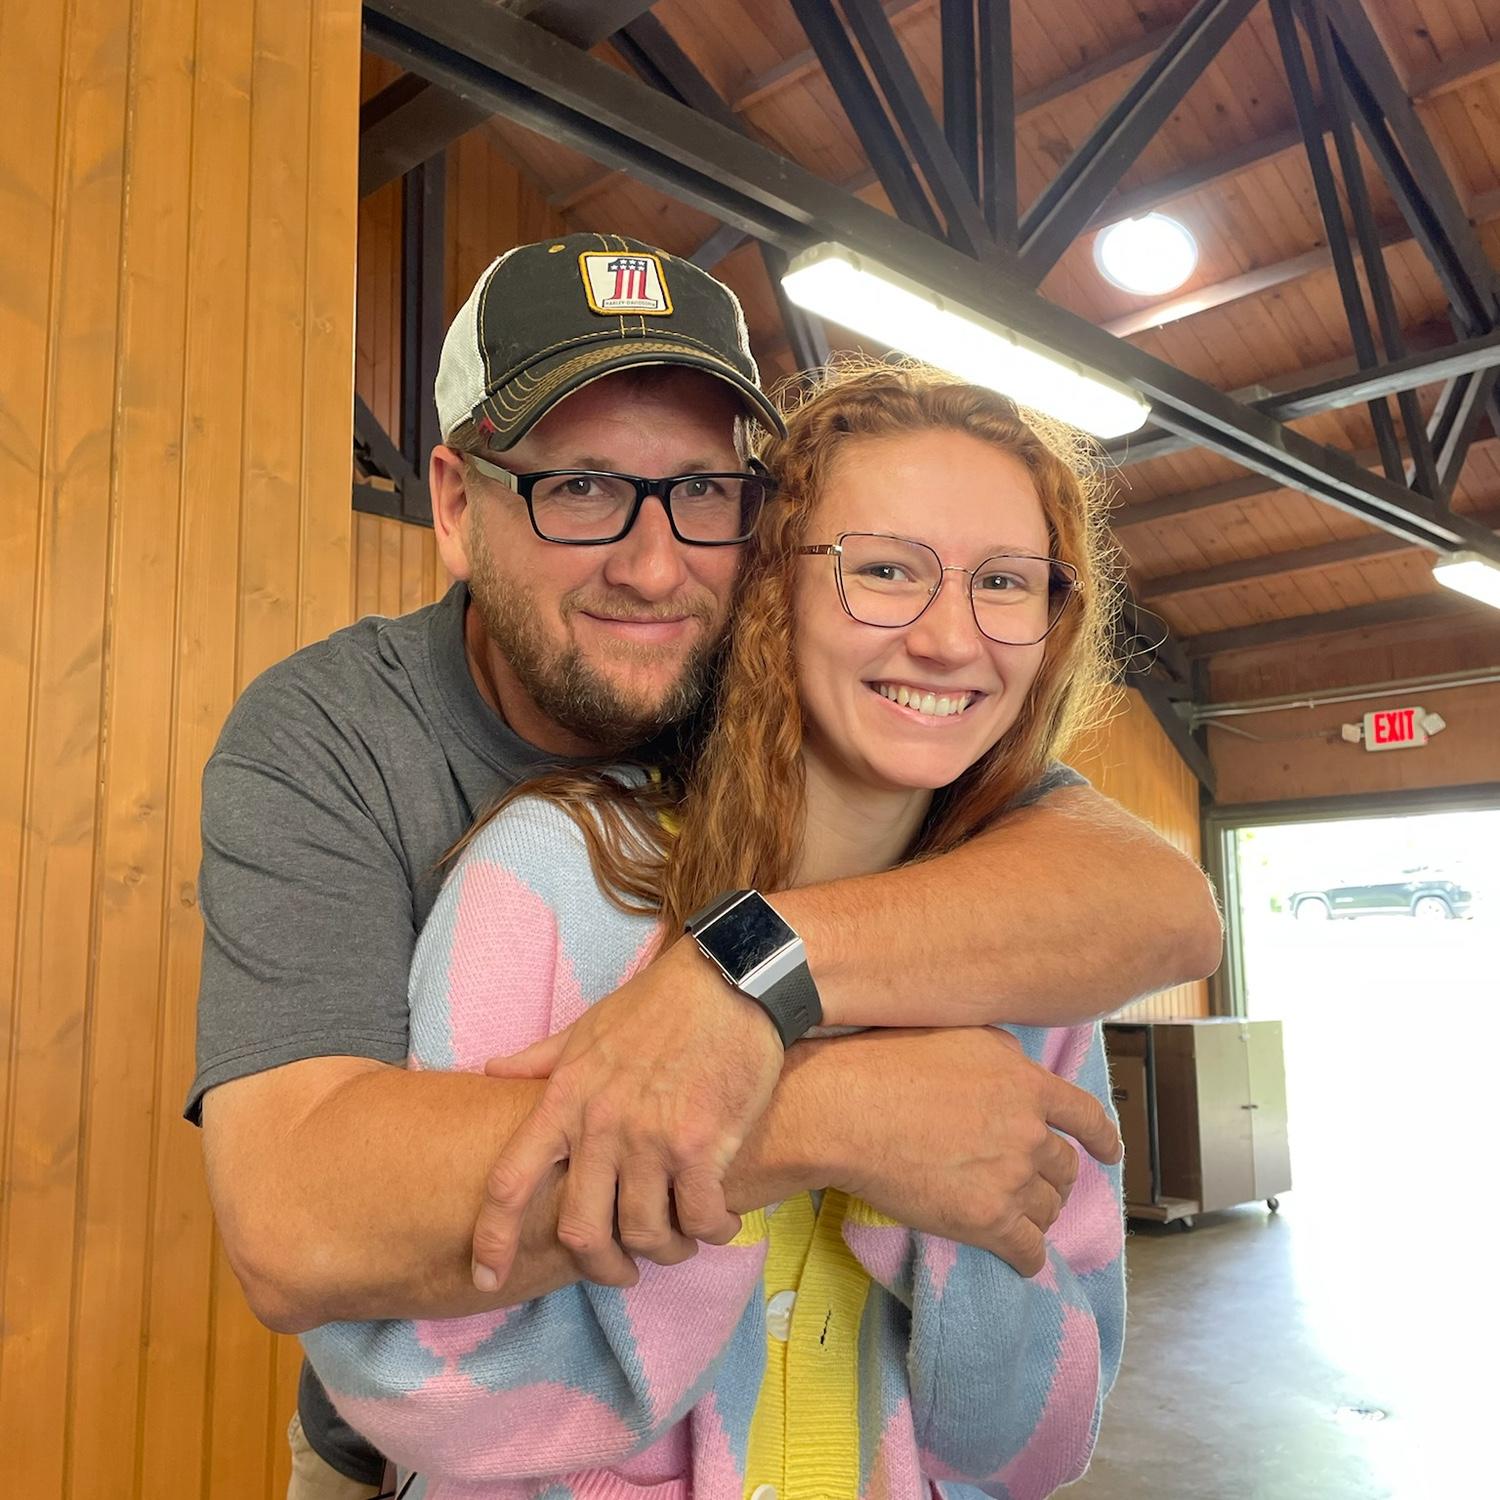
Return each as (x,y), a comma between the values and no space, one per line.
(341,777)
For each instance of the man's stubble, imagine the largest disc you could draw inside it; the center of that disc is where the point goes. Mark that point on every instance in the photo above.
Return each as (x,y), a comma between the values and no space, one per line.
(562,683)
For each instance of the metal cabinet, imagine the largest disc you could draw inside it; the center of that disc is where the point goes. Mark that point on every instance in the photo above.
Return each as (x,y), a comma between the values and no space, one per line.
(1210,1118)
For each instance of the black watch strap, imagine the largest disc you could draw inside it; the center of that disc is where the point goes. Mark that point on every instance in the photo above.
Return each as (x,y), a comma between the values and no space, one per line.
(792,1004)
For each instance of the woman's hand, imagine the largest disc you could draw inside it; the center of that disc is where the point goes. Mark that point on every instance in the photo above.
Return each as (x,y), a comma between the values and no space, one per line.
(650,1095)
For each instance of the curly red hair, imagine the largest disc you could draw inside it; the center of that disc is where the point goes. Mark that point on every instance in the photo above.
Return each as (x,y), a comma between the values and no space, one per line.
(737,802)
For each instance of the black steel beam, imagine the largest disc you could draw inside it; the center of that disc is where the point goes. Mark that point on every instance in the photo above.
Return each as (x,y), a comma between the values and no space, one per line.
(997,115)
(1272,565)
(805,333)
(1285,564)
(723,242)
(1332,211)
(532,78)
(651,50)
(584,23)
(1206,497)
(424,258)
(1067,205)
(413,119)
(951,190)
(1409,610)
(1163,708)
(877,134)
(1456,423)
(379,456)
(1412,167)
(1131,203)
(1416,176)
(1415,370)
(1335,102)
(960,88)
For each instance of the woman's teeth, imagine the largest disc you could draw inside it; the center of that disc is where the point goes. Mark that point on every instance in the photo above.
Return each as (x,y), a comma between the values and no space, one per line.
(924,703)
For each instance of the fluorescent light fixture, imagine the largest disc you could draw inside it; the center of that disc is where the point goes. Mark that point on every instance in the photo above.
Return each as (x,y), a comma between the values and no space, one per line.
(1149,255)
(1470,573)
(870,299)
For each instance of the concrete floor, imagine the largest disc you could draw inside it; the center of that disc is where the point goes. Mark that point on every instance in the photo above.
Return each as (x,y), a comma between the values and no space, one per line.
(1256,1344)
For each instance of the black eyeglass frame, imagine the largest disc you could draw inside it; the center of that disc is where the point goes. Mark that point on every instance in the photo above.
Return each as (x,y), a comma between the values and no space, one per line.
(524,484)
(1064,579)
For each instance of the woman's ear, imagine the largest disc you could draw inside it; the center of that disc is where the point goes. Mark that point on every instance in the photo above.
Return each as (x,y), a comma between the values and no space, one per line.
(450,509)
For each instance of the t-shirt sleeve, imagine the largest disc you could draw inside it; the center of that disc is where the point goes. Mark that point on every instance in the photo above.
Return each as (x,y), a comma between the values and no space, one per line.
(307,911)
(1055,776)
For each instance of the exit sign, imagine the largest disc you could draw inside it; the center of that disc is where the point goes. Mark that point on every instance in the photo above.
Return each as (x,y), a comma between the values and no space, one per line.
(1395,729)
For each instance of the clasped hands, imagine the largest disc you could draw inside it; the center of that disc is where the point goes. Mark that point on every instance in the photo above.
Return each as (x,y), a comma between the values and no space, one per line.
(652,1093)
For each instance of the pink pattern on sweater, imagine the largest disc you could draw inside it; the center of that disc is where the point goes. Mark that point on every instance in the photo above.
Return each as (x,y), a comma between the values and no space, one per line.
(670,1366)
(1060,1445)
(1090,1233)
(940,1257)
(452,1338)
(494,1008)
(540,1427)
(897,1470)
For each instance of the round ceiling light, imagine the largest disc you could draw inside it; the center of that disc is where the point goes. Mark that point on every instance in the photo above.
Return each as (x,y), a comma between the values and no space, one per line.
(1148,256)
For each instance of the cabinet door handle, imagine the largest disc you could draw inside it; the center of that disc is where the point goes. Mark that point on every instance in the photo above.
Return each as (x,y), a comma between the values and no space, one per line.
(1249,1106)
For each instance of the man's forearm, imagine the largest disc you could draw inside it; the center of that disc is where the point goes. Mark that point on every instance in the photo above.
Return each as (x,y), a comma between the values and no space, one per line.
(1062,913)
(365,1207)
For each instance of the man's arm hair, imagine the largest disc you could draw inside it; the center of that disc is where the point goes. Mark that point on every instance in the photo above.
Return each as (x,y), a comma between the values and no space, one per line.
(347,1189)
(1060,913)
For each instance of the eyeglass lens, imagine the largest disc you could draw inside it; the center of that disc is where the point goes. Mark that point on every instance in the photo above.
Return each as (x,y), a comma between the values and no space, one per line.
(888,581)
(580,507)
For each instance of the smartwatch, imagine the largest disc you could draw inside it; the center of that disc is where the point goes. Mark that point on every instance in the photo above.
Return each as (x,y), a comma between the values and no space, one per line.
(762,957)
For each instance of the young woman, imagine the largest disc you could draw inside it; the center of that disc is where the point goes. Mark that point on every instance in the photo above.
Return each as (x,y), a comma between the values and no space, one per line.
(921,631)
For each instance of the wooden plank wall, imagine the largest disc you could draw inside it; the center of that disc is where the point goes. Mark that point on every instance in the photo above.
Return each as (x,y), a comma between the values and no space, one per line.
(1133,761)
(176,307)
(490,207)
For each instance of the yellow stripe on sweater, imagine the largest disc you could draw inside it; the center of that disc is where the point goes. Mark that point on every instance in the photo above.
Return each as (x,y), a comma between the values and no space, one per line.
(804,1436)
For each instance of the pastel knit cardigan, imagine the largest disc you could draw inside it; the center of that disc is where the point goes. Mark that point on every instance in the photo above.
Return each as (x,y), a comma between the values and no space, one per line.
(915,1366)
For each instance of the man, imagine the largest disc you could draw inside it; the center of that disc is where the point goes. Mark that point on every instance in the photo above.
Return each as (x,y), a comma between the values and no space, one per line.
(346,1186)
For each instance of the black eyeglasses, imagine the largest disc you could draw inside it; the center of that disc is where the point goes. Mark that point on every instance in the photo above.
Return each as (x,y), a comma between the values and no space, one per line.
(890,581)
(591,507)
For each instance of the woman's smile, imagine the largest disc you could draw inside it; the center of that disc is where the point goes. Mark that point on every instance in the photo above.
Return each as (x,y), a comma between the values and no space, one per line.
(935,705)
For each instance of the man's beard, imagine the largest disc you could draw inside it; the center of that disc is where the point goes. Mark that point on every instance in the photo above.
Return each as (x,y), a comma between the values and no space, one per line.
(568,688)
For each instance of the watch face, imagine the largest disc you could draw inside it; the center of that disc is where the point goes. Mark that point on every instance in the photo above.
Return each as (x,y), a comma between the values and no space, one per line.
(746,936)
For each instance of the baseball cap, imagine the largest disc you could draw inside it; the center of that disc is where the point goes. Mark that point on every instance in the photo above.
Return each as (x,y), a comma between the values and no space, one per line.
(545,319)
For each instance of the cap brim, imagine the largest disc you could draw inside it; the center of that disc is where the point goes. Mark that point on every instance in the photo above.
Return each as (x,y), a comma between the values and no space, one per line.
(521,402)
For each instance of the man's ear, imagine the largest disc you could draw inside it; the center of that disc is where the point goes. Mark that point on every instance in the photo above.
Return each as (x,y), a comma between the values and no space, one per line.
(450,510)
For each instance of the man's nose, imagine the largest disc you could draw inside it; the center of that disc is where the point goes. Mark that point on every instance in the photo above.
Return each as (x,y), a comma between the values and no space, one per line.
(947,630)
(649,559)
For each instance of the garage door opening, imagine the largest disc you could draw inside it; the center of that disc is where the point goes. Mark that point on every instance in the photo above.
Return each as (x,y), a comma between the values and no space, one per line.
(1376,942)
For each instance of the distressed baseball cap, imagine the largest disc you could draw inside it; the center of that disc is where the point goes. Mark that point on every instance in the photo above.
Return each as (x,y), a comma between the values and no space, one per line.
(546,319)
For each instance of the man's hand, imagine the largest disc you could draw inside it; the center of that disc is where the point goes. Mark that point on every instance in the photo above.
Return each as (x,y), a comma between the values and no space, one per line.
(956,1136)
(652,1090)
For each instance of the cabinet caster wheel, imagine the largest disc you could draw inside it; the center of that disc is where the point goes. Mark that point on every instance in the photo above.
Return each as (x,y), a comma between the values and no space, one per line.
(1274,1204)
(1185,1224)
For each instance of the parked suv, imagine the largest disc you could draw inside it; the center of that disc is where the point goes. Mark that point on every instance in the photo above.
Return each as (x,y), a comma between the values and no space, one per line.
(1416,896)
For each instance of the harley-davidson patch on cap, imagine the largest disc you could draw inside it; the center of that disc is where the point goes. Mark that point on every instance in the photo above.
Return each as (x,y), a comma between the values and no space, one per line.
(625,282)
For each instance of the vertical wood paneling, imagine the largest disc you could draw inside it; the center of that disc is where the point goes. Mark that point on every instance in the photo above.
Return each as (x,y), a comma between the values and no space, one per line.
(53,972)
(1133,761)
(140,623)
(176,287)
(33,41)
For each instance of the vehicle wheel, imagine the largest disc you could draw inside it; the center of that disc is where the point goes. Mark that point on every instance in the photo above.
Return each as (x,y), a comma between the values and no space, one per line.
(1274,1204)
(1313,910)
(1431,908)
